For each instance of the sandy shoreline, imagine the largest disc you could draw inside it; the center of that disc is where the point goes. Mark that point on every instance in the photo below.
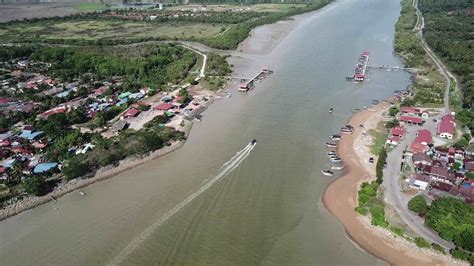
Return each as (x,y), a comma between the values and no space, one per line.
(379,242)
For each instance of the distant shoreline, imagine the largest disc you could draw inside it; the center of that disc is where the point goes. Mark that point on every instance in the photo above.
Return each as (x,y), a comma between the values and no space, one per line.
(240,68)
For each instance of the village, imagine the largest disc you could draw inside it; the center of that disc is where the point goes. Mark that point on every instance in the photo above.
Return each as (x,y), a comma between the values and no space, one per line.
(33,102)
(424,154)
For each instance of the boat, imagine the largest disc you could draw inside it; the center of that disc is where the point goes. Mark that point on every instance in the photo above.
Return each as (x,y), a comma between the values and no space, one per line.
(375,102)
(331,110)
(82,193)
(253,142)
(346,130)
(332,153)
(327,172)
(337,167)
(331,145)
(335,160)
(336,137)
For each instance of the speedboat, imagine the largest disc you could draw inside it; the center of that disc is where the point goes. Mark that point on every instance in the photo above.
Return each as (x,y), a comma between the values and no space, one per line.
(327,172)
(335,137)
(253,142)
(339,167)
(331,145)
(335,160)
(331,110)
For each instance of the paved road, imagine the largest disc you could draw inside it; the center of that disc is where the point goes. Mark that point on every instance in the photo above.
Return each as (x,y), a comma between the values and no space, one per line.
(399,200)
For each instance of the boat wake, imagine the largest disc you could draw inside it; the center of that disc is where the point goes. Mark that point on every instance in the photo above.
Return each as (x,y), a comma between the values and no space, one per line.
(226,168)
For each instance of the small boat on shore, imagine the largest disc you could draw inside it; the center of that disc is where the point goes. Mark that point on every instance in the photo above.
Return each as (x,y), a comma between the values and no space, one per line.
(82,193)
(335,160)
(336,137)
(337,167)
(332,153)
(331,145)
(327,172)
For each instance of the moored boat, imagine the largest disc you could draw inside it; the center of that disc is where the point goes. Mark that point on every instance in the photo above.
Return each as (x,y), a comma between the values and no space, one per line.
(332,153)
(335,160)
(327,172)
(337,167)
(331,145)
(335,137)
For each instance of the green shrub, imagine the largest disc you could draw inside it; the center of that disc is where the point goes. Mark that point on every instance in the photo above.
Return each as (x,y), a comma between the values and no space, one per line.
(421,242)
(418,204)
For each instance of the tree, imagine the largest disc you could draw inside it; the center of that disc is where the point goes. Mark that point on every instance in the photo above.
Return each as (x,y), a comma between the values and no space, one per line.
(393,111)
(418,204)
(76,167)
(392,123)
(34,185)
(17,171)
(380,165)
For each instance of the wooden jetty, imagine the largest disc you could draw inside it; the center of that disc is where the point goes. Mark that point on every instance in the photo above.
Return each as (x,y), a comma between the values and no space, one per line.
(247,84)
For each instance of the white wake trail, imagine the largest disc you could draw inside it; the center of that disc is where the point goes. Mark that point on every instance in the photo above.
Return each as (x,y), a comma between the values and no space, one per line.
(228,167)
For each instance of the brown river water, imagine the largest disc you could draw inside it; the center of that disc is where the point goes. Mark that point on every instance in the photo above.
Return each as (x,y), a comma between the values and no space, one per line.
(217,200)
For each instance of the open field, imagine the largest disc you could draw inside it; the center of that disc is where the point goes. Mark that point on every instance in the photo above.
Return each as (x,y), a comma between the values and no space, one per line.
(89,7)
(105,29)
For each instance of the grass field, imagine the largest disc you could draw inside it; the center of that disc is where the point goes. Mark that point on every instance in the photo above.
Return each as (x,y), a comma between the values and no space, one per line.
(89,7)
(105,29)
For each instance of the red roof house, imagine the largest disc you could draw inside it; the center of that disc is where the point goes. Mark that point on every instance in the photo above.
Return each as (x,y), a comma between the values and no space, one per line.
(397,131)
(446,127)
(417,147)
(56,110)
(423,136)
(163,107)
(410,110)
(132,112)
(393,140)
(411,120)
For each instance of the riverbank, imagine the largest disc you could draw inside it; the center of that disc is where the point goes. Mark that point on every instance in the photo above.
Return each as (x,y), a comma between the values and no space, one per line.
(246,62)
(375,240)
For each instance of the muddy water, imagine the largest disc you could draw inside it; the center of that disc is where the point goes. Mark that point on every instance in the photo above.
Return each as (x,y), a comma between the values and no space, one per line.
(217,201)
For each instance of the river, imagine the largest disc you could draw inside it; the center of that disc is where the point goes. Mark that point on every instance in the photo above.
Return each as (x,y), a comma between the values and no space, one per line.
(261,207)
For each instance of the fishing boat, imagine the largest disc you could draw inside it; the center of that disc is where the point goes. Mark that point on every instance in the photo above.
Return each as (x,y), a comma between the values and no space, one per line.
(335,137)
(335,160)
(332,153)
(331,145)
(346,130)
(82,193)
(331,110)
(337,167)
(327,172)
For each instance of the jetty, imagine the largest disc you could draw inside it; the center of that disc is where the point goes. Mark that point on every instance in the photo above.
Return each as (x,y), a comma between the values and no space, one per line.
(360,70)
(247,84)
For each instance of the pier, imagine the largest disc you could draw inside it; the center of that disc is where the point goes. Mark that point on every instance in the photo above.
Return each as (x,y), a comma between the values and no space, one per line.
(388,67)
(247,84)
(361,67)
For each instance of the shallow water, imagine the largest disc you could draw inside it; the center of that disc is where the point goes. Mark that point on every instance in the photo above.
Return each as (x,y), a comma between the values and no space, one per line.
(268,209)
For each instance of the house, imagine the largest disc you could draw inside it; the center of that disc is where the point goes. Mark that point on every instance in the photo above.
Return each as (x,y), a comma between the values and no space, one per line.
(53,111)
(393,140)
(468,165)
(442,174)
(99,91)
(417,147)
(31,134)
(163,107)
(44,168)
(411,120)
(446,127)
(5,143)
(119,125)
(423,136)
(419,181)
(421,158)
(446,187)
(132,112)
(397,131)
